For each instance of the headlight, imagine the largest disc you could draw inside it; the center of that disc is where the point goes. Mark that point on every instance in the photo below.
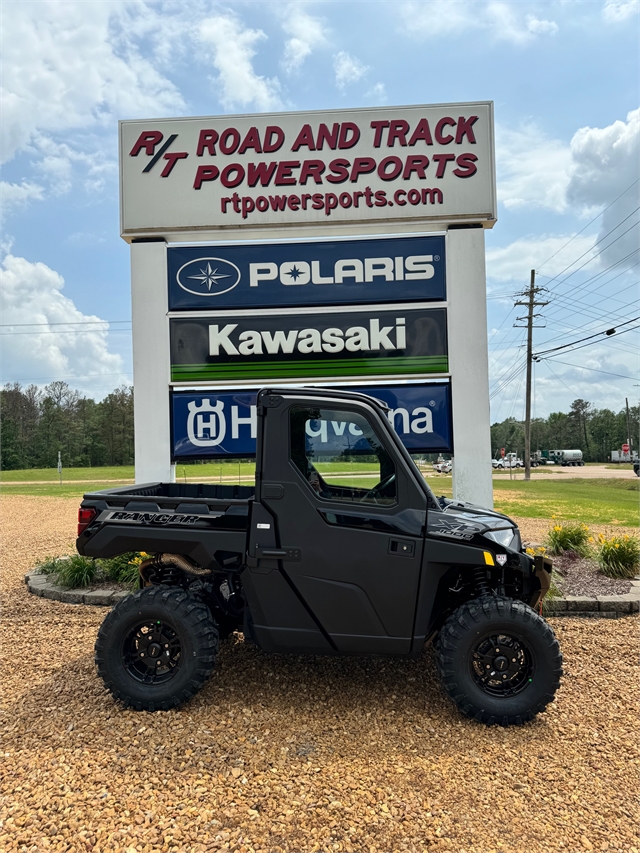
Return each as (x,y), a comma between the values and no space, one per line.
(506,538)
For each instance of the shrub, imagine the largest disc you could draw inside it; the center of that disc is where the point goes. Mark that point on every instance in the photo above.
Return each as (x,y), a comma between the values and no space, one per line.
(569,537)
(618,556)
(49,566)
(123,568)
(71,572)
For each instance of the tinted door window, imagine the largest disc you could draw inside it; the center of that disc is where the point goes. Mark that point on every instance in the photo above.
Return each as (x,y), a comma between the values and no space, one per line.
(340,457)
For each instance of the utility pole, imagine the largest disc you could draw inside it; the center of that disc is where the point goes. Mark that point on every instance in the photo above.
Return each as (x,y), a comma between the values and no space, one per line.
(629,434)
(530,304)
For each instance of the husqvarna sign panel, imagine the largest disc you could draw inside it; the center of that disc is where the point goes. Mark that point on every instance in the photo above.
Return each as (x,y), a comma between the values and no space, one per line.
(216,424)
(333,272)
(398,163)
(301,346)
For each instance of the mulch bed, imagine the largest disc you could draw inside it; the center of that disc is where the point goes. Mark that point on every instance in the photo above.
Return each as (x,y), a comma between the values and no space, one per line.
(580,576)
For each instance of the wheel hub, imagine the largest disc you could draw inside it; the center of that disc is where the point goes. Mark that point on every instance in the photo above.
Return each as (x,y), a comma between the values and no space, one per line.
(152,652)
(502,665)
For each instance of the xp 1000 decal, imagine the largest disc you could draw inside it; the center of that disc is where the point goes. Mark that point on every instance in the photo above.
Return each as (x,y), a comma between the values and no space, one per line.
(214,424)
(338,272)
(307,346)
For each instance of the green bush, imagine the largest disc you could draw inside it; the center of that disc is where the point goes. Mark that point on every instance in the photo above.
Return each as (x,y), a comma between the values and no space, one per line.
(49,566)
(123,568)
(71,572)
(569,537)
(618,556)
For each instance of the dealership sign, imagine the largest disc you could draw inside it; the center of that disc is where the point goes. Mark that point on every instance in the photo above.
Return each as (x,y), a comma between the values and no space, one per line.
(312,345)
(386,164)
(319,272)
(214,424)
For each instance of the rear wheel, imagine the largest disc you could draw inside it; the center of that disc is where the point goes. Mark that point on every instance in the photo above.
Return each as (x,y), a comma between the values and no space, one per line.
(499,661)
(156,648)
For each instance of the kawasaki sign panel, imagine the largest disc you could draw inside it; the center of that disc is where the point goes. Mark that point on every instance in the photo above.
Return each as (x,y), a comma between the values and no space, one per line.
(337,272)
(306,346)
(390,164)
(215,424)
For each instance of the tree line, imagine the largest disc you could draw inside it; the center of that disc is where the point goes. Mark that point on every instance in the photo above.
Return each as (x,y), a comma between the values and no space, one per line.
(37,423)
(594,431)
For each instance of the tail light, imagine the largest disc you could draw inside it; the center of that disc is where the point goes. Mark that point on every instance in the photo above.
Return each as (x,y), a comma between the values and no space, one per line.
(85,517)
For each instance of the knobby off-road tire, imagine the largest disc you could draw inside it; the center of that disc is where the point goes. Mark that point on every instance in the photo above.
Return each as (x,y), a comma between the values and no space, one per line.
(498,660)
(156,648)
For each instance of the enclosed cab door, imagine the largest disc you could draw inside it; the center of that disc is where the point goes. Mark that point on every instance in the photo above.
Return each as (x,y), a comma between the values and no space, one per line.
(349,520)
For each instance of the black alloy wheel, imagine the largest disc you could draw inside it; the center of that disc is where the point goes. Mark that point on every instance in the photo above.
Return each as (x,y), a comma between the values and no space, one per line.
(152,652)
(156,648)
(498,660)
(502,665)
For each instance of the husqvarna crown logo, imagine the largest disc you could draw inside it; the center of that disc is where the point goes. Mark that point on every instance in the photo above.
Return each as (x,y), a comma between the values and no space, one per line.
(208,276)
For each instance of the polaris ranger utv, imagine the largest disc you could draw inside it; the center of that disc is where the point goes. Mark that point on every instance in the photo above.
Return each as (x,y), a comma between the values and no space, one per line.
(367,562)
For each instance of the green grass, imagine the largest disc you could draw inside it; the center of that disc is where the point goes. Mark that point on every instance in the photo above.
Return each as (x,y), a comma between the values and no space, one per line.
(597,501)
(116,472)
(590,501)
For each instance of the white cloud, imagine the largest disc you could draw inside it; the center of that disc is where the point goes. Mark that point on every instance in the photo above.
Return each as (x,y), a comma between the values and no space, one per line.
(32,293)
(348,69)
(16,196)
(606,162)
(615,11)
(513,262)
(70,65)
(533,170)
(537,27)
(377,93)
(234,49)
(502,21)
(306,34)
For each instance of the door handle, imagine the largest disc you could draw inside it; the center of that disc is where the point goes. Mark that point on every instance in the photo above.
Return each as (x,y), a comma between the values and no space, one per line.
(279,553)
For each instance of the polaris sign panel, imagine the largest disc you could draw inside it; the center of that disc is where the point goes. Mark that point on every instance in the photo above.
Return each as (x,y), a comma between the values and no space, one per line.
(337,272)
(306,346)
(215,424)
(386,164)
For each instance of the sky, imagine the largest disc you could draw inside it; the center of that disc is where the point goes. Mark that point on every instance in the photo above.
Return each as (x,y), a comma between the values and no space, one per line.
(563,75)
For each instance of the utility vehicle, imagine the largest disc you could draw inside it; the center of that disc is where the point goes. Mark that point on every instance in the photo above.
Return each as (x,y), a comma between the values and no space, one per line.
(340,548)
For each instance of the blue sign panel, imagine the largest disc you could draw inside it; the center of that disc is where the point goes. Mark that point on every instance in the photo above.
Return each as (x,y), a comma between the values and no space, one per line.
(338,272)
(215,424)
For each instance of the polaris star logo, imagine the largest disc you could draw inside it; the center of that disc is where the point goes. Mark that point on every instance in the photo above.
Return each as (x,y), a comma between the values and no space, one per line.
(208,276)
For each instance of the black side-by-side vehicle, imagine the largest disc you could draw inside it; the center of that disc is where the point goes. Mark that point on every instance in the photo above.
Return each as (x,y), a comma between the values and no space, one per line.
(340,548)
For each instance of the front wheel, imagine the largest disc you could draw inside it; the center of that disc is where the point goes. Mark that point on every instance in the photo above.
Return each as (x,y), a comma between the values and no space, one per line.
(498,660)
(156,648)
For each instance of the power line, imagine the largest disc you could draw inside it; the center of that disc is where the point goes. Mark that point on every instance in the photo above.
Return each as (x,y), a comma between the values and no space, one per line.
(604,237)
(589,223)
(589,337)
(64,323)
(583,367)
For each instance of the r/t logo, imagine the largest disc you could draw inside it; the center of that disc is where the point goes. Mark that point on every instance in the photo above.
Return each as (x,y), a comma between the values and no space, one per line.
(149,140)
(198,424)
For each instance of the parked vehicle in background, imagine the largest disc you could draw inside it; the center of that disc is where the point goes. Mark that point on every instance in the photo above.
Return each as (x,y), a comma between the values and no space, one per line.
(510,460)
(570,457)
(443,467)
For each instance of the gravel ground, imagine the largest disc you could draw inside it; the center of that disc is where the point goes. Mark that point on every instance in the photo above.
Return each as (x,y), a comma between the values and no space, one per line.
(291,754)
